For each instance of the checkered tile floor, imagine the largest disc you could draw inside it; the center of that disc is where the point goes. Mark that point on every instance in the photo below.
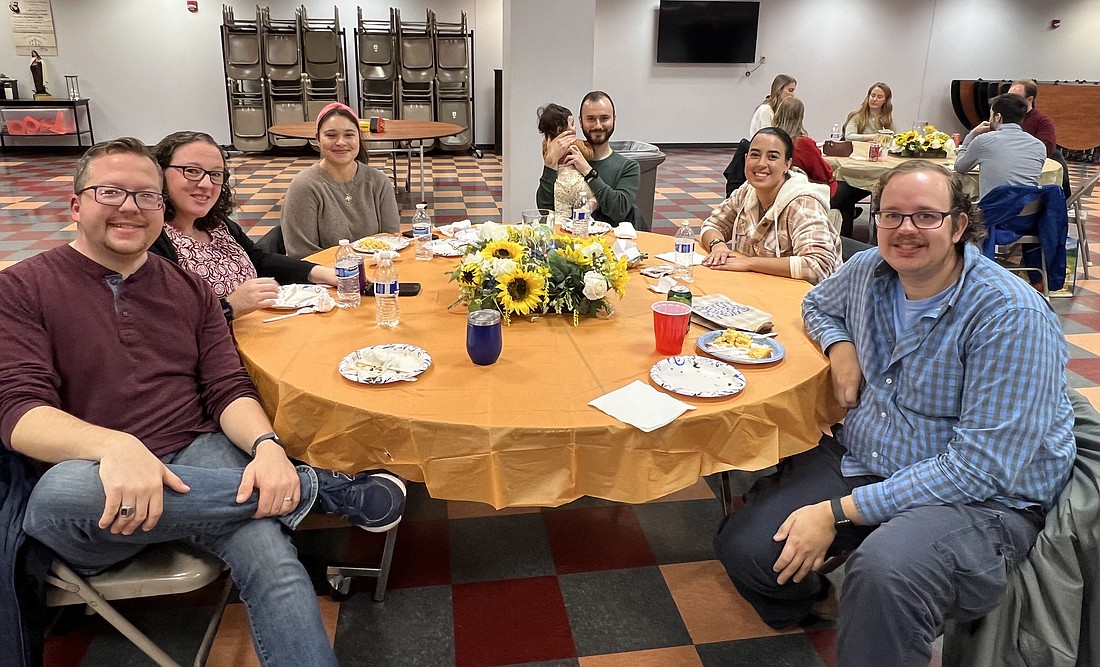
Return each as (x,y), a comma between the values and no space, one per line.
(593,584)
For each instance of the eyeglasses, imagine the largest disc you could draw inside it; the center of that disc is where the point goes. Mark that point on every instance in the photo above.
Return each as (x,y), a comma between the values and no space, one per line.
(920,219)
(197,173)
(108,195)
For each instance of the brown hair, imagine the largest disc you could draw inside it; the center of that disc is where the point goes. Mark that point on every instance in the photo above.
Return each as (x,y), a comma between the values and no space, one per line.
(862,113)
(789,115)
(975,231)
(1031,89)
(123,145)
(224,206)
(779,83)
(338,111)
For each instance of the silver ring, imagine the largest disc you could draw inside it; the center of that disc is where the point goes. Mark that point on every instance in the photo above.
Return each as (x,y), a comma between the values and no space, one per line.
(125,511)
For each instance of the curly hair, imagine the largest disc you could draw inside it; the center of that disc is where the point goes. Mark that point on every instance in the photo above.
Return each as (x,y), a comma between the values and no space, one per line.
(961,202)
(224,206)
(553,120)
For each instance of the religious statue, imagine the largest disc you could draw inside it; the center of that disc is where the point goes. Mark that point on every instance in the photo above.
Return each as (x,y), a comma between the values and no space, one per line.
(37,74)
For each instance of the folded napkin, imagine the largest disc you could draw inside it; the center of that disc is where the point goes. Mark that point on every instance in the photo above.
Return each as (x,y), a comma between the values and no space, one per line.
(641,406)
(718,311)
(671,257)
(663,285)
(454,227)
(625,230)
(299,296)
(628,249)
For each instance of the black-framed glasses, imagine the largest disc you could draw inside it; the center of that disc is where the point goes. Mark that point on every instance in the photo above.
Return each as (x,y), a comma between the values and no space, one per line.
(217,177)
(920,219)
(109,195)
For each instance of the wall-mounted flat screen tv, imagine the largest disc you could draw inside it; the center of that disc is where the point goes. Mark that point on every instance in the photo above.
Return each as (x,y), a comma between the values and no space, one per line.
(707,31)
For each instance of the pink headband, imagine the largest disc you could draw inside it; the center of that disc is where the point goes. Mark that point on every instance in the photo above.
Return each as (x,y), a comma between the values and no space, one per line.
(331,107)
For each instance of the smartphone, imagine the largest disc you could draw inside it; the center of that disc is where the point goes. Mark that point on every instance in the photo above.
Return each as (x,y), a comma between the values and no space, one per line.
(409,234)
(403,289)
(656,271)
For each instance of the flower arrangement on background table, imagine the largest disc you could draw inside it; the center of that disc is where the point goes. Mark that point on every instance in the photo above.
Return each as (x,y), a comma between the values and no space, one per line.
(919,144)
(518,272)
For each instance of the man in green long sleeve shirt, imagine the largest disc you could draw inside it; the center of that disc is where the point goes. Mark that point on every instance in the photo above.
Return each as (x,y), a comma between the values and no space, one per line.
(613,178)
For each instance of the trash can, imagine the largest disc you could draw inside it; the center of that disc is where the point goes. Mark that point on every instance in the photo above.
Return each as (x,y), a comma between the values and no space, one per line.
(648,158)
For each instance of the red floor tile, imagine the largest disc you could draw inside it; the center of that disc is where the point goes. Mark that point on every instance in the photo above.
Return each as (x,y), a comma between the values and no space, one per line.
(422,555)
(495,622)
(597,538)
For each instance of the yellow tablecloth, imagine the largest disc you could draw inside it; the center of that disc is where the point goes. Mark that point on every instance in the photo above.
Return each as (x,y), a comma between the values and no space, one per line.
(520,432)
(856,171)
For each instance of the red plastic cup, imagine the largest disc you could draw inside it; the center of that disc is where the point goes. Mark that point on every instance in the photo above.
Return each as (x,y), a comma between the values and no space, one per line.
(670,324)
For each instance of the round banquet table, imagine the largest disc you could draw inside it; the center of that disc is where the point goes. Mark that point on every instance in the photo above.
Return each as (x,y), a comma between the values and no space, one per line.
(520,432)
(856,171)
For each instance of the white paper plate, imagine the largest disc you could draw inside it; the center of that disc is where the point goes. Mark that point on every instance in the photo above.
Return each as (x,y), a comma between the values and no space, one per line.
(447,248)
(410,361)
(293,297)
(595,227)
(739,355)
(697,376)
(395,243)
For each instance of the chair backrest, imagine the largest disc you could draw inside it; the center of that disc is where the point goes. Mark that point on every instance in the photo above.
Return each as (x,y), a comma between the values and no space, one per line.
(735,171)
(1084,191)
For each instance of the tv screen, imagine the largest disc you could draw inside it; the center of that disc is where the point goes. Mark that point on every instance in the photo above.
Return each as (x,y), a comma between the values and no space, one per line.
(707,31)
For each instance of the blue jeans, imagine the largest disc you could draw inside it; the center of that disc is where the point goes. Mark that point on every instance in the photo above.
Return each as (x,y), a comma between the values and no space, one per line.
(67,502)
(904,576)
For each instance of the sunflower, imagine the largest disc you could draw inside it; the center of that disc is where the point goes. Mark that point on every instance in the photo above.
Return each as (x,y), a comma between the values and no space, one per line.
(468,275)
(521,292)
(573,255)
(503,250)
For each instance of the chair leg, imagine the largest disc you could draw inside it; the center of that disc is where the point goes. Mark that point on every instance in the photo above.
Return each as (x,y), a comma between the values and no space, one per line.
(384,566)
(215,622)
(1082,241)
(69,580)
(338,574)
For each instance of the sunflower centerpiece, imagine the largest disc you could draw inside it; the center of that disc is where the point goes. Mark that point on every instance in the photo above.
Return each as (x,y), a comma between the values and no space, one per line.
(501,272)
(927,142)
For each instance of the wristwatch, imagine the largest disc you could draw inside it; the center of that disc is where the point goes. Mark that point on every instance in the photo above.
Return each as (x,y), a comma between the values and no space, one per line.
(839,520)
(591,175)
(714,242)
(266,436)
(227,310)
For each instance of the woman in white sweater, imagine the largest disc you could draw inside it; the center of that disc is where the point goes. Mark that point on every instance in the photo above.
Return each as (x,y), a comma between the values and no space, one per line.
(874,114)
(340,197)
(783,86)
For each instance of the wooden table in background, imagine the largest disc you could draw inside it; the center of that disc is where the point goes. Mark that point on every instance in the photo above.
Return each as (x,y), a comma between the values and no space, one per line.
(520,432)
(412,131)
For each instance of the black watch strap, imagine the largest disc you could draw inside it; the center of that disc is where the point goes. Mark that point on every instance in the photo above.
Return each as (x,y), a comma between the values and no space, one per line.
(839,520)
(266,436)
(227,310)
(591,175)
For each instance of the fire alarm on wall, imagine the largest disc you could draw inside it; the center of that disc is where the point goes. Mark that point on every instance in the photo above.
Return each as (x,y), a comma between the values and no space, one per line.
(193,6)
(1054,23)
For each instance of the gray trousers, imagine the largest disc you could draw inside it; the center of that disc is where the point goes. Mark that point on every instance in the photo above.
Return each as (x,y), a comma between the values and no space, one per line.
(904,577)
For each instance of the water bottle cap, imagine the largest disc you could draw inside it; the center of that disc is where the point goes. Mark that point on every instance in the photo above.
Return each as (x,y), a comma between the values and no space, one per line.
(421,206)
(344,241)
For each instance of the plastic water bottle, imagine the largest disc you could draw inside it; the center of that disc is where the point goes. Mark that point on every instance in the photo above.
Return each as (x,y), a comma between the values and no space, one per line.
(348,265)
(387,312)
(685,254)
(422,233)
(835,134)
(580,216)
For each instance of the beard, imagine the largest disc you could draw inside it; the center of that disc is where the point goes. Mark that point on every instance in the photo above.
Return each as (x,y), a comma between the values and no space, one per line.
(601,137)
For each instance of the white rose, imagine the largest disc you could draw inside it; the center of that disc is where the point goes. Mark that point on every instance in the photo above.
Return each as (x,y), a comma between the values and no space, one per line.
(473,259)
(592,251)
(502,266)
(595,286)
(491,231)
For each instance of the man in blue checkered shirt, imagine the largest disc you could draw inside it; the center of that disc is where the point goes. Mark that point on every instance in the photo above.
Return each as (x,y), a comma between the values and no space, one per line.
(956,443)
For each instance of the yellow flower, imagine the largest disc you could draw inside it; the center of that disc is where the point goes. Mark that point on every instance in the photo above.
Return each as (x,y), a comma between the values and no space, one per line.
(503,250)
(469,275)
(619,277)
(521,292)
(574,255)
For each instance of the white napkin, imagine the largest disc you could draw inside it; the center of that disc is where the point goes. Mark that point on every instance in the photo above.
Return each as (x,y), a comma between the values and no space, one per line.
(671,257)
(628,249)
(641,406)
(663,285)
(625,230)
(298,296)
(454,227)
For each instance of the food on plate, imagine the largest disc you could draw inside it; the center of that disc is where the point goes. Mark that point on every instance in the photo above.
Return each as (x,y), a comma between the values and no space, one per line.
(370,244)
(743,342)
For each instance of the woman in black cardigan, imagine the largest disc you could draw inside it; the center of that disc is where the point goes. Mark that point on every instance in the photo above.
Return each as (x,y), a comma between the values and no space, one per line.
(200,236)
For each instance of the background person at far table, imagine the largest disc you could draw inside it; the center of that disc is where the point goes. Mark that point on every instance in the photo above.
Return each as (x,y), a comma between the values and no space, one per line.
(200,236)
(783,86)
(1006,154)
(340,197)
(777,222)
(874,113)
(807,156)
(613,178)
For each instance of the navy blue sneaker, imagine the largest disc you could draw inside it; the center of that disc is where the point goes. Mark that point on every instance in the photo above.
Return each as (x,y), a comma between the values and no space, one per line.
(374,501)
